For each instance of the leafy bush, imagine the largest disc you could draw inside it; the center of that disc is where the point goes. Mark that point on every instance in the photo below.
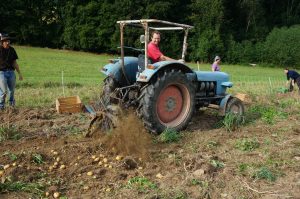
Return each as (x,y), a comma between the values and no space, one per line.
(244,52)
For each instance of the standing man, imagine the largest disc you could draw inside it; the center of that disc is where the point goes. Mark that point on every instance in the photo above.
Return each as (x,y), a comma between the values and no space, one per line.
(8,65)
(292,78)
(153,49)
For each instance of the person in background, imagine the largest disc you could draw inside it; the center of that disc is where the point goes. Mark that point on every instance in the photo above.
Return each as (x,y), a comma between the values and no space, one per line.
(8,65)
(216,65)
(292,78)
(154,52)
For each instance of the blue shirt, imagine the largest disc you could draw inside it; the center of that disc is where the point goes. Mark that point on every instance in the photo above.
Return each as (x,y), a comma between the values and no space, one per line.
(292,74)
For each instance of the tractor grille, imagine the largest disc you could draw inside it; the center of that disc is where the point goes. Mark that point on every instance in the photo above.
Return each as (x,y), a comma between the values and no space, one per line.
(206,89)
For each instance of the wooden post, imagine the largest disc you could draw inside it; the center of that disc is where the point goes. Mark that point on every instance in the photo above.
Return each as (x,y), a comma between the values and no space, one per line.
(184,47)
(146,28)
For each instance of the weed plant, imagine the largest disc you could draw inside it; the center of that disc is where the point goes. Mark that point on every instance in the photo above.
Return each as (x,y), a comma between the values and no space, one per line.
(247,144)
(12,156)
(268,114)
(232,121)
(37,158)
(212,144)
(9,133)
(169,135)
(35,188)
(265,173)
(217,164)
(243,167)
(141,184)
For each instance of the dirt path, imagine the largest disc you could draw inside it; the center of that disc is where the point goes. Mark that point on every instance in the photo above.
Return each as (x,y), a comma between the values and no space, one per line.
(129,163)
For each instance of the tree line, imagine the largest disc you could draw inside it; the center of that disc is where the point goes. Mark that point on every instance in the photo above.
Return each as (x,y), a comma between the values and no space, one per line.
(240,31)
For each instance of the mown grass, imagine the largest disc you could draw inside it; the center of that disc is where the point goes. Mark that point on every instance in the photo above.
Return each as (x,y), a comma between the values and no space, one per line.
(43,69)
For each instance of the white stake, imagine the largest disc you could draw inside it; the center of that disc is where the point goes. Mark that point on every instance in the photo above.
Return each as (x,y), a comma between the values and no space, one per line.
(270,85)
(62,82)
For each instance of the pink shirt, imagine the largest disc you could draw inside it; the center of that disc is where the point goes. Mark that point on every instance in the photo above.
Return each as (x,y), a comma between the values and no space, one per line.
(215,66)
(154,52)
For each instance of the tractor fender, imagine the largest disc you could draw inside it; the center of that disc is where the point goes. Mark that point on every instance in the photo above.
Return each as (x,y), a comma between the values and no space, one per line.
(114,69)
(147,74)
(223,104)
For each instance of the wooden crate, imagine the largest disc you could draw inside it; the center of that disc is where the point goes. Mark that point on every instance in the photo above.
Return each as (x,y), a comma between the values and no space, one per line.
(68,104)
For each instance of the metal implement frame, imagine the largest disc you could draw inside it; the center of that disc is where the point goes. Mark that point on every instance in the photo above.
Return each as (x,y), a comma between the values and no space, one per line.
(144,23)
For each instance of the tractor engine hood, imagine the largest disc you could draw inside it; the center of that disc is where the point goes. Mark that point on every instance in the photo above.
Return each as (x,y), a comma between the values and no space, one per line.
(212,76)
(222,80)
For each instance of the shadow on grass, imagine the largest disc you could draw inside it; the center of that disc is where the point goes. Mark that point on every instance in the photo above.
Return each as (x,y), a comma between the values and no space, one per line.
(51,84)
(24,85)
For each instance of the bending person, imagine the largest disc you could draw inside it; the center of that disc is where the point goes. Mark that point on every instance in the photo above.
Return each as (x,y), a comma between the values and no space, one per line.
(292,78)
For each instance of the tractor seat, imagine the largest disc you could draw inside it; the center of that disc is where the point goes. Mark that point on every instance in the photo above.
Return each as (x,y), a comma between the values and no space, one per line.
(141,61)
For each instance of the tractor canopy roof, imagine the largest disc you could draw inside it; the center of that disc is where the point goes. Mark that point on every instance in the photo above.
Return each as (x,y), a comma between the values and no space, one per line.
(153,24)
(157,24)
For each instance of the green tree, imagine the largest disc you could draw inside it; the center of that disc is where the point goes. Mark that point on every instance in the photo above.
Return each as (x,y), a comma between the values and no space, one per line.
(282,47)
(207,17)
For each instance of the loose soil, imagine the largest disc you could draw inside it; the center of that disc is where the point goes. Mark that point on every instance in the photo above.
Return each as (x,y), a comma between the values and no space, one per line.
(128,162)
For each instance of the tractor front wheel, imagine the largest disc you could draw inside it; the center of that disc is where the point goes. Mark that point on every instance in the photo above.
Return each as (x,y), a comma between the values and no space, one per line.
(235,106)
(168,102)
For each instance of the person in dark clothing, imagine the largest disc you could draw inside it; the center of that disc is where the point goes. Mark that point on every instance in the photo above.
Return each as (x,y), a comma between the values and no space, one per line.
(8,65)
(292,78)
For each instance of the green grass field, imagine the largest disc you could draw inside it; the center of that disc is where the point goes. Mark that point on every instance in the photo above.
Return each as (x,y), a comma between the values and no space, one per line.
(42,69)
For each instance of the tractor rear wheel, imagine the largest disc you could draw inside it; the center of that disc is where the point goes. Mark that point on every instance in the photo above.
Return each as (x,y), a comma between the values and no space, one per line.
(168,102)
(108,90)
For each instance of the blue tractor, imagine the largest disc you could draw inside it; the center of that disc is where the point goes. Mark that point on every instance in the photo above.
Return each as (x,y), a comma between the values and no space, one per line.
(167,93)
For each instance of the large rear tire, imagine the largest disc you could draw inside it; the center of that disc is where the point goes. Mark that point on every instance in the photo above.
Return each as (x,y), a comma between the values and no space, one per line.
(106,97)
(167,102)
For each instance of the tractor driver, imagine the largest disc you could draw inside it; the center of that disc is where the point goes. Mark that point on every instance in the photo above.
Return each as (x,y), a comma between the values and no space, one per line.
(153,49)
